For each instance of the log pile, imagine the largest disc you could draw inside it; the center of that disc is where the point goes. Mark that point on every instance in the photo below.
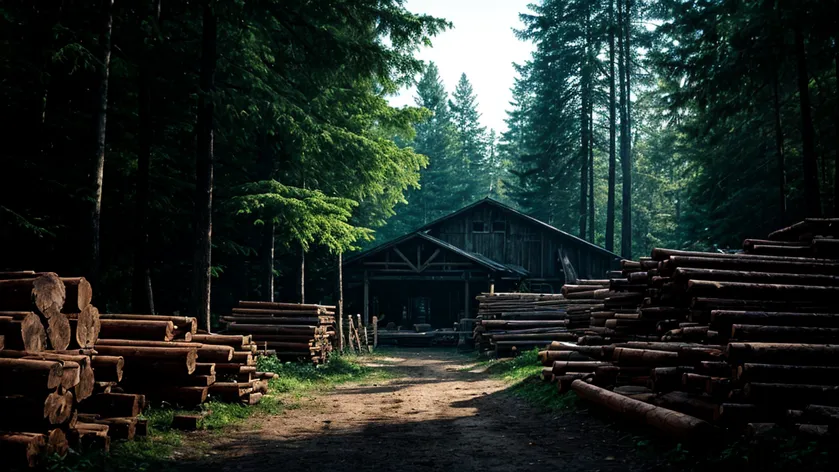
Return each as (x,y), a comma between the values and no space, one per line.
(73,377)
(295,332)
(737,340)
(509,323)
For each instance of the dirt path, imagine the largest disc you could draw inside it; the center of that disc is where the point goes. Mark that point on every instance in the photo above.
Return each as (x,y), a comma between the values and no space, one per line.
(431,415)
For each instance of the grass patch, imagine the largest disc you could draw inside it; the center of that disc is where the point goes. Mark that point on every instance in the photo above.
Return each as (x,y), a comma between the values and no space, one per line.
(523,372)
(156,451)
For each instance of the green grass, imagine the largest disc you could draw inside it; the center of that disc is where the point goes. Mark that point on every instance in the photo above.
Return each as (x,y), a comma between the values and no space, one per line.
(523,373)
(155,451)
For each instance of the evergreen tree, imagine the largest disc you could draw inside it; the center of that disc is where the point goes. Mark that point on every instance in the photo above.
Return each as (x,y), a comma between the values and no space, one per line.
(471,150)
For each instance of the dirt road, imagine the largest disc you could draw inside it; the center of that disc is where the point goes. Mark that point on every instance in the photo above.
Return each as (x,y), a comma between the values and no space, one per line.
(431,415)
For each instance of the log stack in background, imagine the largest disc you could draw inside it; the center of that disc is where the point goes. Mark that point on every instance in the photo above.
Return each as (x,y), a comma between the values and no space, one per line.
(292,331)
(509,323)
(73,377)
(737,340)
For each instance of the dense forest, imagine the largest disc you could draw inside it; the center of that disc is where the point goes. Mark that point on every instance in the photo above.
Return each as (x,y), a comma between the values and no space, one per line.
(184,155)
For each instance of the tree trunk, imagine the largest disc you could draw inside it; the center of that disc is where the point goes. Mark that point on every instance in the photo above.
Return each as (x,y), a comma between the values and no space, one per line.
(268,254)
(836,127)
(141,293)
(810,165)
(100,118)
(585,84)
(626,140)
(142,299)
(204,171)
(302,276)
(779,152)
(591,172)
(339,312)
(610,203)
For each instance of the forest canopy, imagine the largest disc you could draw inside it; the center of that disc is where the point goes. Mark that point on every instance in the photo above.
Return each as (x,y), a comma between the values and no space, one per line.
(162,149)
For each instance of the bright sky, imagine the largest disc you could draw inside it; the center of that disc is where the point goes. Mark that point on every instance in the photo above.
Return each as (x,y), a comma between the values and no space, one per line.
(482,45)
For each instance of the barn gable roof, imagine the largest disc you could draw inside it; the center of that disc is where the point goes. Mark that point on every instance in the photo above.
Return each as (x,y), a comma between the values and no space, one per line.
(510,210)
(478,259)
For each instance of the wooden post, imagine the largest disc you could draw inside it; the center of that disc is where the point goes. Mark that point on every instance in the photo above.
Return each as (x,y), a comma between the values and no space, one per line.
(340,308)
(491,286)
(466,296)
(366,296)
(303,276)
(375,332)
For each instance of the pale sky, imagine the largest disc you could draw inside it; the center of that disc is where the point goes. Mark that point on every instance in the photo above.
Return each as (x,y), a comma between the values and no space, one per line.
(482,45)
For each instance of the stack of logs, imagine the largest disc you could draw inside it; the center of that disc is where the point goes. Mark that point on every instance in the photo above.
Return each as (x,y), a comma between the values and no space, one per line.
(293,331)
(511,323)
(75,378)
(744,341)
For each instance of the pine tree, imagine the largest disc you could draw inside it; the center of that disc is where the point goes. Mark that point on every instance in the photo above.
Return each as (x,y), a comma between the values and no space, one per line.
(471,148)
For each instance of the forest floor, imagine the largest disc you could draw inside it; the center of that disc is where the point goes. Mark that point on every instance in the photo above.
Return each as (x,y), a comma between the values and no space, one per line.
(421,409)
(436,411)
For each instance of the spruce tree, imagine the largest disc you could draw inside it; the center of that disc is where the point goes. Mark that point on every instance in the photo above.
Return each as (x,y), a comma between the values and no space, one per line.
(471,149)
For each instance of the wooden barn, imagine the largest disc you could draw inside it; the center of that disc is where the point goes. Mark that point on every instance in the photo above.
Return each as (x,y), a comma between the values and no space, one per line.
(432,274)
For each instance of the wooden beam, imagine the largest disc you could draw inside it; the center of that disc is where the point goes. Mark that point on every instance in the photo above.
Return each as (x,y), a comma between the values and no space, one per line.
(430,259)
(366,295)
(466,296)
(340,311)
(410,264)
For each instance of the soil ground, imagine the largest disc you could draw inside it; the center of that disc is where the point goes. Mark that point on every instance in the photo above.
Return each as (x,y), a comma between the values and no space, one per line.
(430,415)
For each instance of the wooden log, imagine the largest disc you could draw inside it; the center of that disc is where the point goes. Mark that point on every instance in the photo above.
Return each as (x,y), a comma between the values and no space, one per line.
(30,376)
(786,292)
(629,356)
(21,449)
(661,254)
(111,405)
(740,414)
(188,421)
(590,351)
(822,414)
(235,341)
(561,367)
(136,329)
(178,359)
(108,368)
(184,396)
(547,358)
(726,318)
(26,334)
(783,265)
(784,333)
(684,274)
(183,323)
(699,406)
(794,374)
(516,324)
(777,353)
(84,388)
(563,382)
(791,395)
(676,424)
(255,330)
(666,379)
(90,436)
(35,412)
(58,332)
(56,443)
(234,368)
(283,306)
(17,274)
(85,327)
(78,294)
(44,294)
(119,428)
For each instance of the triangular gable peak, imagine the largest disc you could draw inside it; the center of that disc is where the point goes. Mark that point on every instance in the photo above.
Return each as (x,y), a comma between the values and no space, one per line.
(508,236)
